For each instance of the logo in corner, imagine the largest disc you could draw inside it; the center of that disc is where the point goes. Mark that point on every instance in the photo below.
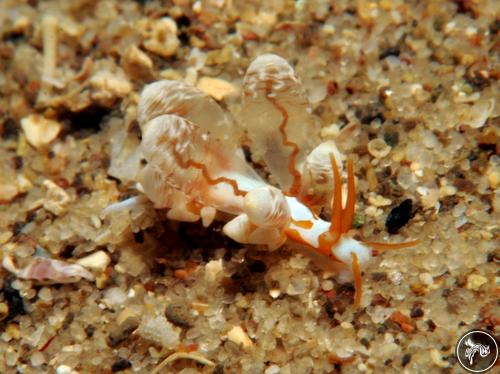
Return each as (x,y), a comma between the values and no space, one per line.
(477,351)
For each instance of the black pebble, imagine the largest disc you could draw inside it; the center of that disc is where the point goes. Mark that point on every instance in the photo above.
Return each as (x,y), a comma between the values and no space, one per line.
(399,216)
(14,300)
(257,266)
(89,331)
(120,365)
(416,312)
(405,359)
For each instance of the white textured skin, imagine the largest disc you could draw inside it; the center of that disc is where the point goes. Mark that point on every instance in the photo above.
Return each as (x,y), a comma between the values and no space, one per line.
(267,207)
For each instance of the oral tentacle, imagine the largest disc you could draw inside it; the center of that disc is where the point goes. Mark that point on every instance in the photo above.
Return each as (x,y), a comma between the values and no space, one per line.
(389,246)
(348,211)
(336,220)
(358,282)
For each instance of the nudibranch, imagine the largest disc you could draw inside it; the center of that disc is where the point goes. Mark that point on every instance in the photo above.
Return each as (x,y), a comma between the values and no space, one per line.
(194,167)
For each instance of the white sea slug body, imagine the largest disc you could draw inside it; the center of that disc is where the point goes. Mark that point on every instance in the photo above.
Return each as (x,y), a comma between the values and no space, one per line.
(194,166)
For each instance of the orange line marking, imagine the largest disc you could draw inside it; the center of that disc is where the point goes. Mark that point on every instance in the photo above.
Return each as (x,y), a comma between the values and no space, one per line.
(204,171)
(295,188)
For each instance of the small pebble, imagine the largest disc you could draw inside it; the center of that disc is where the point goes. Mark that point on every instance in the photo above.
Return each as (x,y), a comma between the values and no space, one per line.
(273,369)
(405,360)
(96,261)
(120,365)
(4,311)
(178,314)
(37,359)
(378,148)
(239,336)
(475,281)
(214,271)
(160,331)
(399,216)
(127,323)
(63,369)
(437,359)
(274,293)
(39,130)
(416,312)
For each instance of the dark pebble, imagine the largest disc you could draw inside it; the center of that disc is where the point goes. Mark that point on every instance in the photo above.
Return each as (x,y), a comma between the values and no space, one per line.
(365,342)
(379,276)
(120,365)
(391,138)
(257,266)
(431,324)
(17,227)
(391,51)
(178,314)
(399,216)
(405,359)
(416,312)
(379,299)
(14,300)
(219,369)
(122,332)
(9,129)
(138,237)
(89,331)
(68,320)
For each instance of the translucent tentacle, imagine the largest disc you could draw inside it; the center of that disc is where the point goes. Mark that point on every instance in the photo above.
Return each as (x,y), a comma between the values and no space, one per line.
(275,104)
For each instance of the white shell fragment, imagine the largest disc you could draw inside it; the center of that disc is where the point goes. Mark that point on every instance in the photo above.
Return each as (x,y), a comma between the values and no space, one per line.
(238,336)
(48,271)
(39,130)
(479,113)
(97,261)
(56,199)
(161,36)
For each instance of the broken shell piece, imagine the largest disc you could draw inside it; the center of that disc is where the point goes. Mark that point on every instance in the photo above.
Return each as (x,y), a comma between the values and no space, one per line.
(8,191)
(271,89)
(477,115)
(182,355)
(214,271)
(57,199)
(378,148)
(137,64)
(215,87)
(97,261)
(161,37)
(109,85)
(39,130)
(238,336)
(48,271)
(160,331)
